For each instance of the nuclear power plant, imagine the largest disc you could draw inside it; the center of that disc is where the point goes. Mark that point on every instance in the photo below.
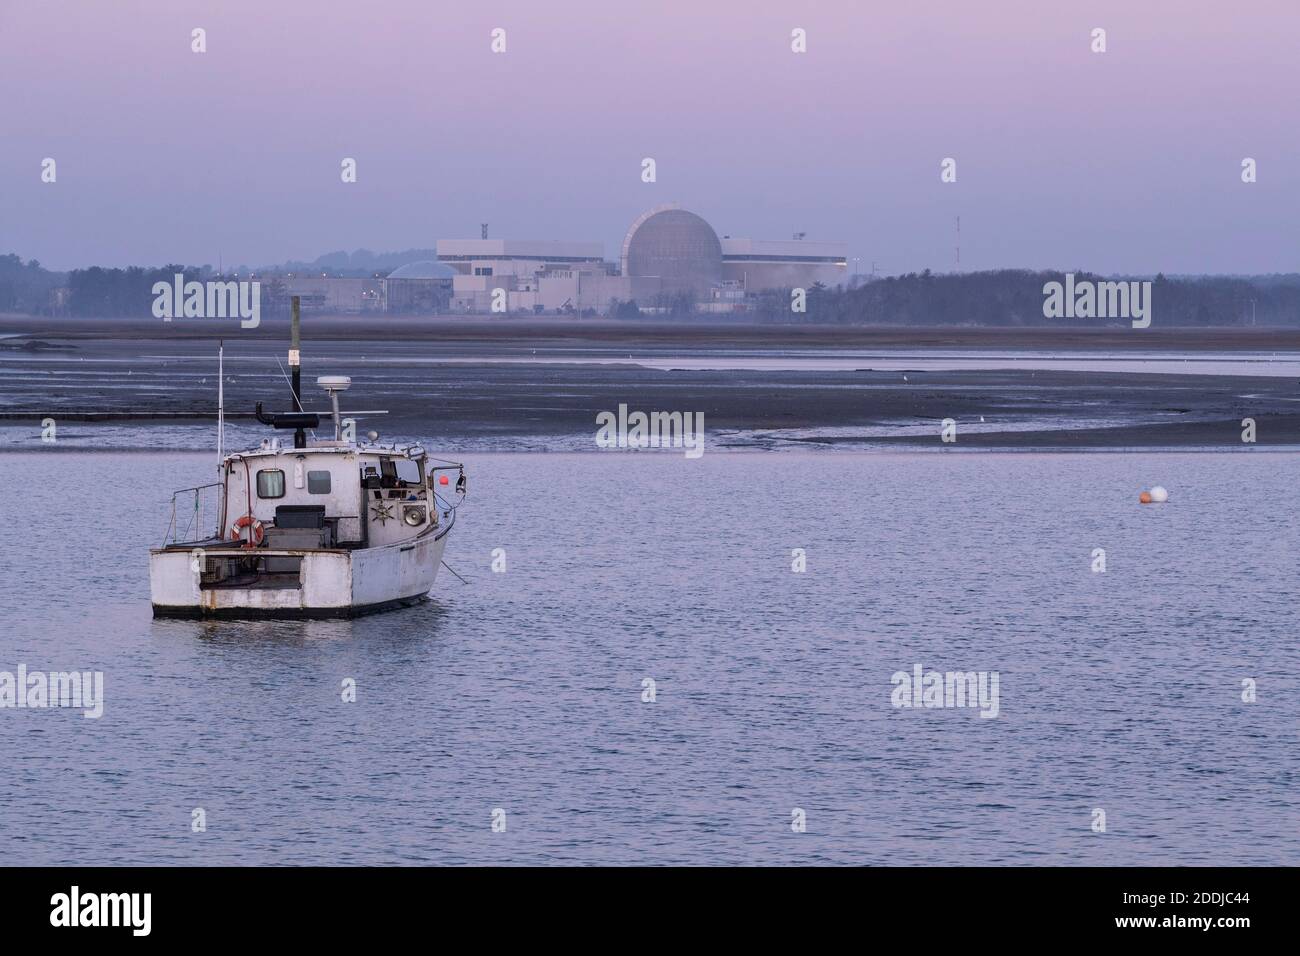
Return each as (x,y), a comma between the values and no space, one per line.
(671,260)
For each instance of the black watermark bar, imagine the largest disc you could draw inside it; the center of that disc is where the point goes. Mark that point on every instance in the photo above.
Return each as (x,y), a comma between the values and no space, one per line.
(335,905)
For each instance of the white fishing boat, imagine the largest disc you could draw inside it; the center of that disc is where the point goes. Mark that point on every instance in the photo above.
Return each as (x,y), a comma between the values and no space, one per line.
(327,528)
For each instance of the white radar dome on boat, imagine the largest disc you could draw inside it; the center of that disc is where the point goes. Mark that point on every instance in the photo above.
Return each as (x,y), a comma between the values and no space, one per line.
(333,383)
(1159,495)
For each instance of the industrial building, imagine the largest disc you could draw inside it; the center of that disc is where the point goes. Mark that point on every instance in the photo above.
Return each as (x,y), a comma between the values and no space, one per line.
(519,275)
(675,246)
(783,263)
(671,260)
(321,293)
(423,287)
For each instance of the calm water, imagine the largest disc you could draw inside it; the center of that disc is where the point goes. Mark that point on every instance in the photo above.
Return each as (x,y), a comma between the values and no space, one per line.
(522,690)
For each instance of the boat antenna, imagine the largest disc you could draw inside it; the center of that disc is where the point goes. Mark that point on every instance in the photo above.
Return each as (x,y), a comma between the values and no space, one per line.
(333,384)
(295,371)
(221,403)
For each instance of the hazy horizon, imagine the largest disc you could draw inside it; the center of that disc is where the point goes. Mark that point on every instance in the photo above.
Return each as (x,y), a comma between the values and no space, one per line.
(1124,162)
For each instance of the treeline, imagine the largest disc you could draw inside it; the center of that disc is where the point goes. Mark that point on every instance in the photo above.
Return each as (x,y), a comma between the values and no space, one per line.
(121,292)
(1015,297)
(27,287)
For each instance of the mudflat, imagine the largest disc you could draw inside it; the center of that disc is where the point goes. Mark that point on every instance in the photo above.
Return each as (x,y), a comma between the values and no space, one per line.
(511,332)
(757,385)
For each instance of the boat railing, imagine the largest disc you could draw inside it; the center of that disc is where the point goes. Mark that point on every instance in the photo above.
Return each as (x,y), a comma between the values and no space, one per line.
(196,515)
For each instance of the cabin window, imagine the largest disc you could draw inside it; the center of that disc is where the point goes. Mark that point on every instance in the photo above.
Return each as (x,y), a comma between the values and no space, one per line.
(270,483)
(399,473)
(409,471)
(318,482)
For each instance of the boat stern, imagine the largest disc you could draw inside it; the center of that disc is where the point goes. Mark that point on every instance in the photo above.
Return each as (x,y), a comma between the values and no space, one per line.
(214,582)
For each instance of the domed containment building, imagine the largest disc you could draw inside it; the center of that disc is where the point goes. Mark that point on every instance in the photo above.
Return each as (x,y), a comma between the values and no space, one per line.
(670,259)
(678,248)
(419,287)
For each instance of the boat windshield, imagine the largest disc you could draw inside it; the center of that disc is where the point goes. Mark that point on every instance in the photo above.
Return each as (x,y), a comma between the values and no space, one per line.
(399,473)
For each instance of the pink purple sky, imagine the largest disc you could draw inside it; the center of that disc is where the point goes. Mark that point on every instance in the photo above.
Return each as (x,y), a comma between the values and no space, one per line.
(1127,161)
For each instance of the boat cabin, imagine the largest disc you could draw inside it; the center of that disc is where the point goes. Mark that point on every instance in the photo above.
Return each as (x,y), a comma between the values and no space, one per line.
(328,495)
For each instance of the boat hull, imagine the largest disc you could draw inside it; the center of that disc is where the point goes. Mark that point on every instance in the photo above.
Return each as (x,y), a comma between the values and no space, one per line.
(281,613)
(328,582)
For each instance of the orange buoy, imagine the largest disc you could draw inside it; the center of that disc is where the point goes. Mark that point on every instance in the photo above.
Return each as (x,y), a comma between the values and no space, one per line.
(1145,497)
(442,479)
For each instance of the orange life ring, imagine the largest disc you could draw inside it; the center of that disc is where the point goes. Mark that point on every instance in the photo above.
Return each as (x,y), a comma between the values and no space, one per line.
(256,535)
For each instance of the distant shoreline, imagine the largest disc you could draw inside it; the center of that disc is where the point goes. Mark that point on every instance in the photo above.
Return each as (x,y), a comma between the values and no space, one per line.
(508,333)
